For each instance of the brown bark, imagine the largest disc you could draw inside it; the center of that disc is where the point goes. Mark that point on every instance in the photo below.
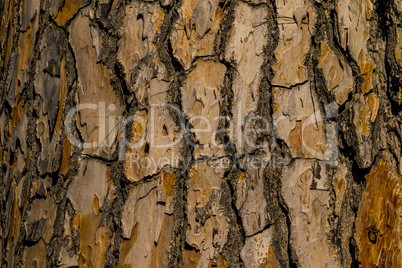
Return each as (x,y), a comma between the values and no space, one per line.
(200,133)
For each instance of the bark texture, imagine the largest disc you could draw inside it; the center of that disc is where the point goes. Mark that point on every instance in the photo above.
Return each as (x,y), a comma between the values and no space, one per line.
(316,182)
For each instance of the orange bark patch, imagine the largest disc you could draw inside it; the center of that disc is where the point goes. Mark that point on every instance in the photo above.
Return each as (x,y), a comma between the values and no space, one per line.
(272,261)
(378,225)
(67,10)
(295,137)
(94,240)
(219,10)
(158,17)
(241,176)
(25,44)
(96,204)
(168,183)
(276,108)
(314,140)
(366,69)
(367,72)
(66,156)
(16,115)
(221,262)
(373,103)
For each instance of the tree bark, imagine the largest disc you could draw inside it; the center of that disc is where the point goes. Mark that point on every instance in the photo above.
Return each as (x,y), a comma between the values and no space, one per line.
(201,133)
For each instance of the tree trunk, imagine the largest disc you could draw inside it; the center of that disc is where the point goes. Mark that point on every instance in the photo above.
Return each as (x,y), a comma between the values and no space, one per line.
(201,133)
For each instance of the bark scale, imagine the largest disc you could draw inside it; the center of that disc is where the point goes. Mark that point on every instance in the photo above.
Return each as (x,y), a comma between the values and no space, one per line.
(200,133)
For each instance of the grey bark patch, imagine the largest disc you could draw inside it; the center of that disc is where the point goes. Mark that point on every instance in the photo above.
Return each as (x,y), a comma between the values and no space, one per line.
(35,230)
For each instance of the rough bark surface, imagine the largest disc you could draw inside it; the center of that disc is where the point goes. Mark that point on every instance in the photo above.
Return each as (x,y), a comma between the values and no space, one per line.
(316,182)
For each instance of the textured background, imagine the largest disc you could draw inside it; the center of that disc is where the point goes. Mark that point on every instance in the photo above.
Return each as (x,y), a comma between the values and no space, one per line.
(325,74)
